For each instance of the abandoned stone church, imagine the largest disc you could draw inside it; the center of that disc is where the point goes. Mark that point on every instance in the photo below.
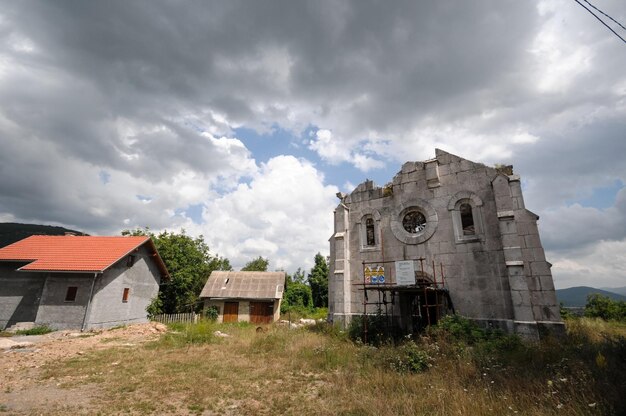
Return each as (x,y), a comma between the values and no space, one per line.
(446,234)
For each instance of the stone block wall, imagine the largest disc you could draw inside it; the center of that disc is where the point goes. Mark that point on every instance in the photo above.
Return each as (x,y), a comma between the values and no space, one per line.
(498,274)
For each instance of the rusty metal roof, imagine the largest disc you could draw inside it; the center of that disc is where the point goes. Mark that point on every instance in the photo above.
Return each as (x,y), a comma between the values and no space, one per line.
(244,285)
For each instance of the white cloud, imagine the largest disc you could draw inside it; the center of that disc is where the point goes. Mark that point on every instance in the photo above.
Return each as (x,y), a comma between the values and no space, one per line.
(349,186)
(285,213)
(329,148)
(334,150)
(601,265)
(366,163)
(575,226)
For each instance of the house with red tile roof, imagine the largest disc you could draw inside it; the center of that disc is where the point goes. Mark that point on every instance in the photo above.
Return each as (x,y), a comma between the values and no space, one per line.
(78,282)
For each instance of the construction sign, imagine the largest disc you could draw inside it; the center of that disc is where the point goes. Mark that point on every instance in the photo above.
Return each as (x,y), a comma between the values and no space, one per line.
(374,275)
(405,273)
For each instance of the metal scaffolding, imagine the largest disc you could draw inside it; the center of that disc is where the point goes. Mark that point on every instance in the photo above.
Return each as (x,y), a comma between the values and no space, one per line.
(406,309)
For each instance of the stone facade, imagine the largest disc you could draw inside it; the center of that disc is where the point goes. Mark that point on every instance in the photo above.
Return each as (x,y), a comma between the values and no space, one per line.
(467,219)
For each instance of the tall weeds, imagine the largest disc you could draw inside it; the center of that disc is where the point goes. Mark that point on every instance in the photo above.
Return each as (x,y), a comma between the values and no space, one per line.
(456,368)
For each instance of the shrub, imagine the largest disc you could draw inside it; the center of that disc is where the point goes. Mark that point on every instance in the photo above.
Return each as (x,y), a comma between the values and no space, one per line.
(38,330)
(378,330)
(409,358)
(599,306)
(211,313)
(460,329)
(565,313)
(155,307)
(298,296)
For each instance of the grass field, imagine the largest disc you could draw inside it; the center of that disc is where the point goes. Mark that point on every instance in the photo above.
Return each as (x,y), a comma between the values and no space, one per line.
(451,371)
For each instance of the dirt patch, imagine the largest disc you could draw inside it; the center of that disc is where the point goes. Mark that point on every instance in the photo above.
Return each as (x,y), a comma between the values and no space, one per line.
(21,359)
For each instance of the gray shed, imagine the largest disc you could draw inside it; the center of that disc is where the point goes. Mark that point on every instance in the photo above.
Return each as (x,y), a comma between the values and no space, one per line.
(245,296)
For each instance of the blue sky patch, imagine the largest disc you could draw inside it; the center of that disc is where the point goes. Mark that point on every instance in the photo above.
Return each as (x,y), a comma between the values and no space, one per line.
(105,177)
(603,197)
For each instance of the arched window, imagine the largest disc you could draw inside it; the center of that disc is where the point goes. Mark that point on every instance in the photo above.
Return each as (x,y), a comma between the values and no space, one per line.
(369,230)
(467,219)
(370,235)
(466,210)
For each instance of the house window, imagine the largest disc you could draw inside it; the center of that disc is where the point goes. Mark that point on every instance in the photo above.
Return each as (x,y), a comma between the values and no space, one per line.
(467,219)
(70,295)
(370,235)
(130,261)
(125,294)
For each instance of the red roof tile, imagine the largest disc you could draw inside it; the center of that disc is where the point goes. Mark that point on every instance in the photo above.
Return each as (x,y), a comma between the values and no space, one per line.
(74,253)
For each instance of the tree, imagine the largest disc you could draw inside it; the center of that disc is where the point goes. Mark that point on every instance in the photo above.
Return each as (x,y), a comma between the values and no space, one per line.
(257,265)
(318,280)
(189,263)
(298,277)
(297,293)
(599,306)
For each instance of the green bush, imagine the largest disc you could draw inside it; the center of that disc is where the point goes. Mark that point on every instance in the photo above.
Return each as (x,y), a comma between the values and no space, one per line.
(38,330)
(298,296)
(212,313)
(460,329)
(599,306)
(155,307)
(378,331)
(409,358)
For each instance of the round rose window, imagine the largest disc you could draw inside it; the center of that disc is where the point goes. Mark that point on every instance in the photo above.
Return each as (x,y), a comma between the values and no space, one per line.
(414,222)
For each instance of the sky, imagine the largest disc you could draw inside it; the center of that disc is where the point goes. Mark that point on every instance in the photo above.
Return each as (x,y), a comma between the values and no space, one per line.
(240,121)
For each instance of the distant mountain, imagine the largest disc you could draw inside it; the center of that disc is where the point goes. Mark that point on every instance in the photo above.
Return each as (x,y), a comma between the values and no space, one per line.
(618,290)
(577,296)
(10,232)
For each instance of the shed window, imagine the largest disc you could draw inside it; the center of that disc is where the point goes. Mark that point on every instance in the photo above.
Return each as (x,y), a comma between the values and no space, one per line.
(369,232)
(467,219)
(70,295)
(125,294)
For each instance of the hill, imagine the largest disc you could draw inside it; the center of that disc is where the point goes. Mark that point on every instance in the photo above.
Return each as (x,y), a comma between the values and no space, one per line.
(577,296)
(618,290)
(10,232)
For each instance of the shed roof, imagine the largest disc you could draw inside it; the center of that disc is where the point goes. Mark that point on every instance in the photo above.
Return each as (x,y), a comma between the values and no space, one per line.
(244,285)
(75,253)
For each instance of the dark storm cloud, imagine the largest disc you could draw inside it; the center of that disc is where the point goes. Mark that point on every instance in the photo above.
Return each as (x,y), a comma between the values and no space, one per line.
(127,87)
(410,59)
(567,166)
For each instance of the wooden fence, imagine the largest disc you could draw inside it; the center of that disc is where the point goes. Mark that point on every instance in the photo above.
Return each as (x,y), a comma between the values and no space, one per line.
(184,318)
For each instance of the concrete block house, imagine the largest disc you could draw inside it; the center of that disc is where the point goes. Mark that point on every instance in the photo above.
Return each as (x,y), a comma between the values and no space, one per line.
(245,296)
(78,282)
(446,234)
